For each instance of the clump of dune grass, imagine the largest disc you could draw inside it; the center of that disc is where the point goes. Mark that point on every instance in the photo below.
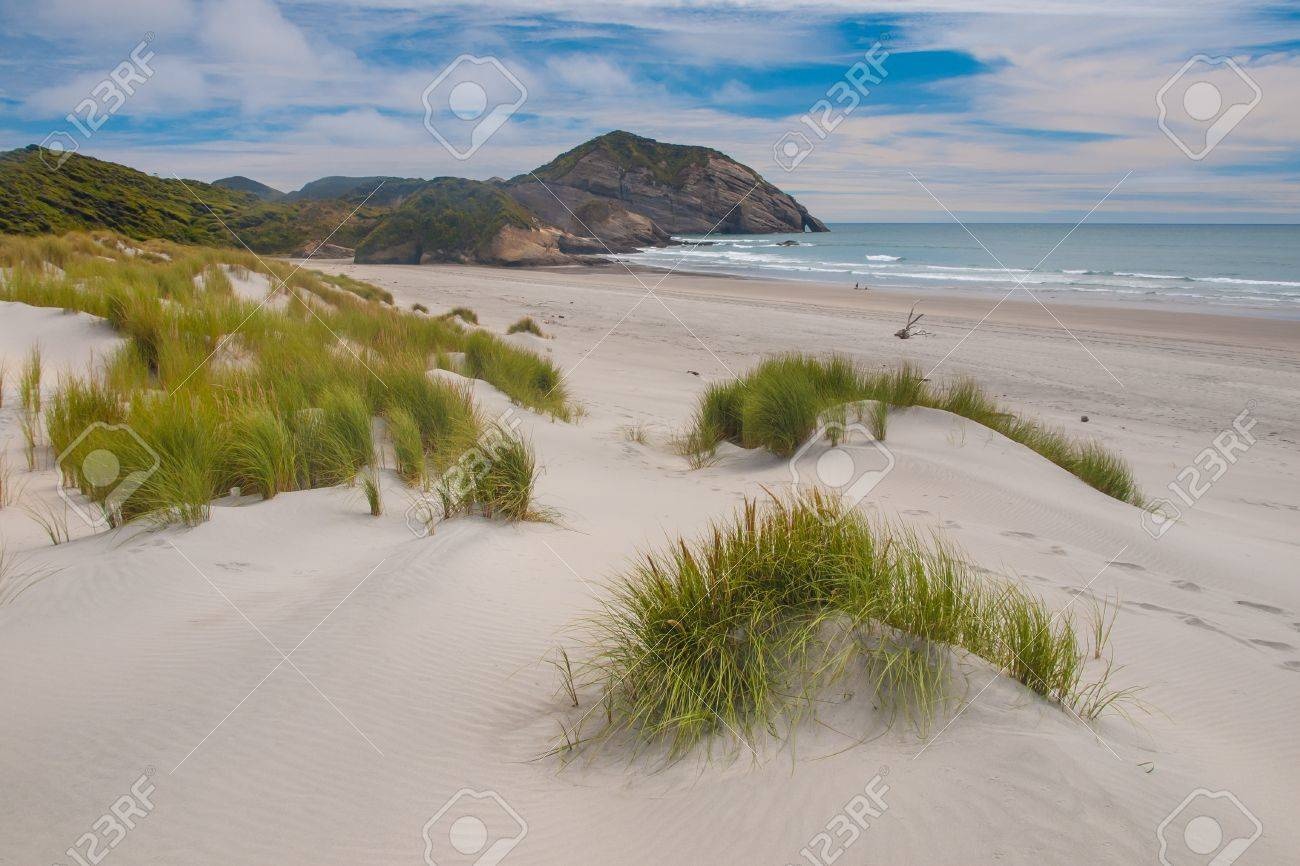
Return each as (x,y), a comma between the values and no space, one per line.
(261,452)
(465,314)
(496,477)
(29,382)
(347,437)
(368,291)
(784,399)
(180,456)
(699,445)
(4,376)
(877,416)
(635,433)
(29,426)
(373,490)
(744,630)
(53,520)
(419,308)
(526,325)
(8,491)
(526,378)
(218,391)
(1102,620)
(408,446)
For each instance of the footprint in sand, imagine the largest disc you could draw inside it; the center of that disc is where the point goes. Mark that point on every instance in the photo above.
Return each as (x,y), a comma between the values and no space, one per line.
(1187,585)
(1129,566)
(1198,622)
(1013,533)
(1290,665)
(1058,550)
(1271,644)
(1266,608)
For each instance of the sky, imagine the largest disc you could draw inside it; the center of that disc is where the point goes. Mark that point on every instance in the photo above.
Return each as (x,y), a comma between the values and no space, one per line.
(1001,110)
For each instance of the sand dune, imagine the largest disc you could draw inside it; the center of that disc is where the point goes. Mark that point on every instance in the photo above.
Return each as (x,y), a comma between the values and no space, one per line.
(417,666)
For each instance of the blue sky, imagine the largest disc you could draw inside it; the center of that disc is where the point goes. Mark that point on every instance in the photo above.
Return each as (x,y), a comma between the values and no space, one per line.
(1016,111)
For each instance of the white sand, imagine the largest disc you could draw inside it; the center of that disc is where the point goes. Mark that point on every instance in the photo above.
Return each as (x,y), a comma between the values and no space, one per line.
(128,657)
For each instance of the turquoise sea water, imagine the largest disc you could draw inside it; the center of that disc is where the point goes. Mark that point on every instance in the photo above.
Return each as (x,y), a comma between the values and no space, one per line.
(1246,267)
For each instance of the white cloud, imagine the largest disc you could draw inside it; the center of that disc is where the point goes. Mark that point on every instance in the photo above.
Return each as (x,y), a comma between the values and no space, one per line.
(323,88)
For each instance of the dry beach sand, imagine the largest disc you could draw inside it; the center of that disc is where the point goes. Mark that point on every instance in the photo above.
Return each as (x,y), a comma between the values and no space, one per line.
(417,667)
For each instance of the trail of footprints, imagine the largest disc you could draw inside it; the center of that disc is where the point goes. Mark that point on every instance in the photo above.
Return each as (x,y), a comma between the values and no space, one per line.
(1179,583)
(1188,618)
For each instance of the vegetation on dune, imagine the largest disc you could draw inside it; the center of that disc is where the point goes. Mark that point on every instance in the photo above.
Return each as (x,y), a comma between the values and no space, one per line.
(465,314)
(526,325)
(224,392)
(747,627)
(782,401)
(523,376)
(501,485)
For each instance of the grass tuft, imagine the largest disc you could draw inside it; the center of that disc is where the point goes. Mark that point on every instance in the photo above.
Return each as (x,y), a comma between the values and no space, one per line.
(779,403)
(524,377)
(218,391)
(496,479)
(526,325)
(29,382)
(746,627)
(465,314)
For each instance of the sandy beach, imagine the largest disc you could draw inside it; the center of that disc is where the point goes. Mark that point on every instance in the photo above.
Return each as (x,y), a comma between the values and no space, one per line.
(298,682)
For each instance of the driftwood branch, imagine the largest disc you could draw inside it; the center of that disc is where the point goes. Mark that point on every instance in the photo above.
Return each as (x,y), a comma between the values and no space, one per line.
(910,330)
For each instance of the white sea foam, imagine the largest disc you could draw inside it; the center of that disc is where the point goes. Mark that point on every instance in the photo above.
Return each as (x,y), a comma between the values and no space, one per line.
(772,256)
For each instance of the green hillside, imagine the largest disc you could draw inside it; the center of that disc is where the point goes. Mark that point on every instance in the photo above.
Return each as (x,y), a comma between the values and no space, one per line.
(89,193)
(666,162)
(239,183)
(447,219)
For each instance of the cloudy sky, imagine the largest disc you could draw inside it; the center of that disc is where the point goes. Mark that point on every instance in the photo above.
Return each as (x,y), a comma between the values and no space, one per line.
(1021,110)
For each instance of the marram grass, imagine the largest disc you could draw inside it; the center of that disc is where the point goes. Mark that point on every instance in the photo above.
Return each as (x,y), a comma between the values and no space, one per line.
(781,402)
(741,631)
(526,325)
(225,392)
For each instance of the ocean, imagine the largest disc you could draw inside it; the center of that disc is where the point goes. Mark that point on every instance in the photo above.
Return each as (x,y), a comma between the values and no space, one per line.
(1244,267)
